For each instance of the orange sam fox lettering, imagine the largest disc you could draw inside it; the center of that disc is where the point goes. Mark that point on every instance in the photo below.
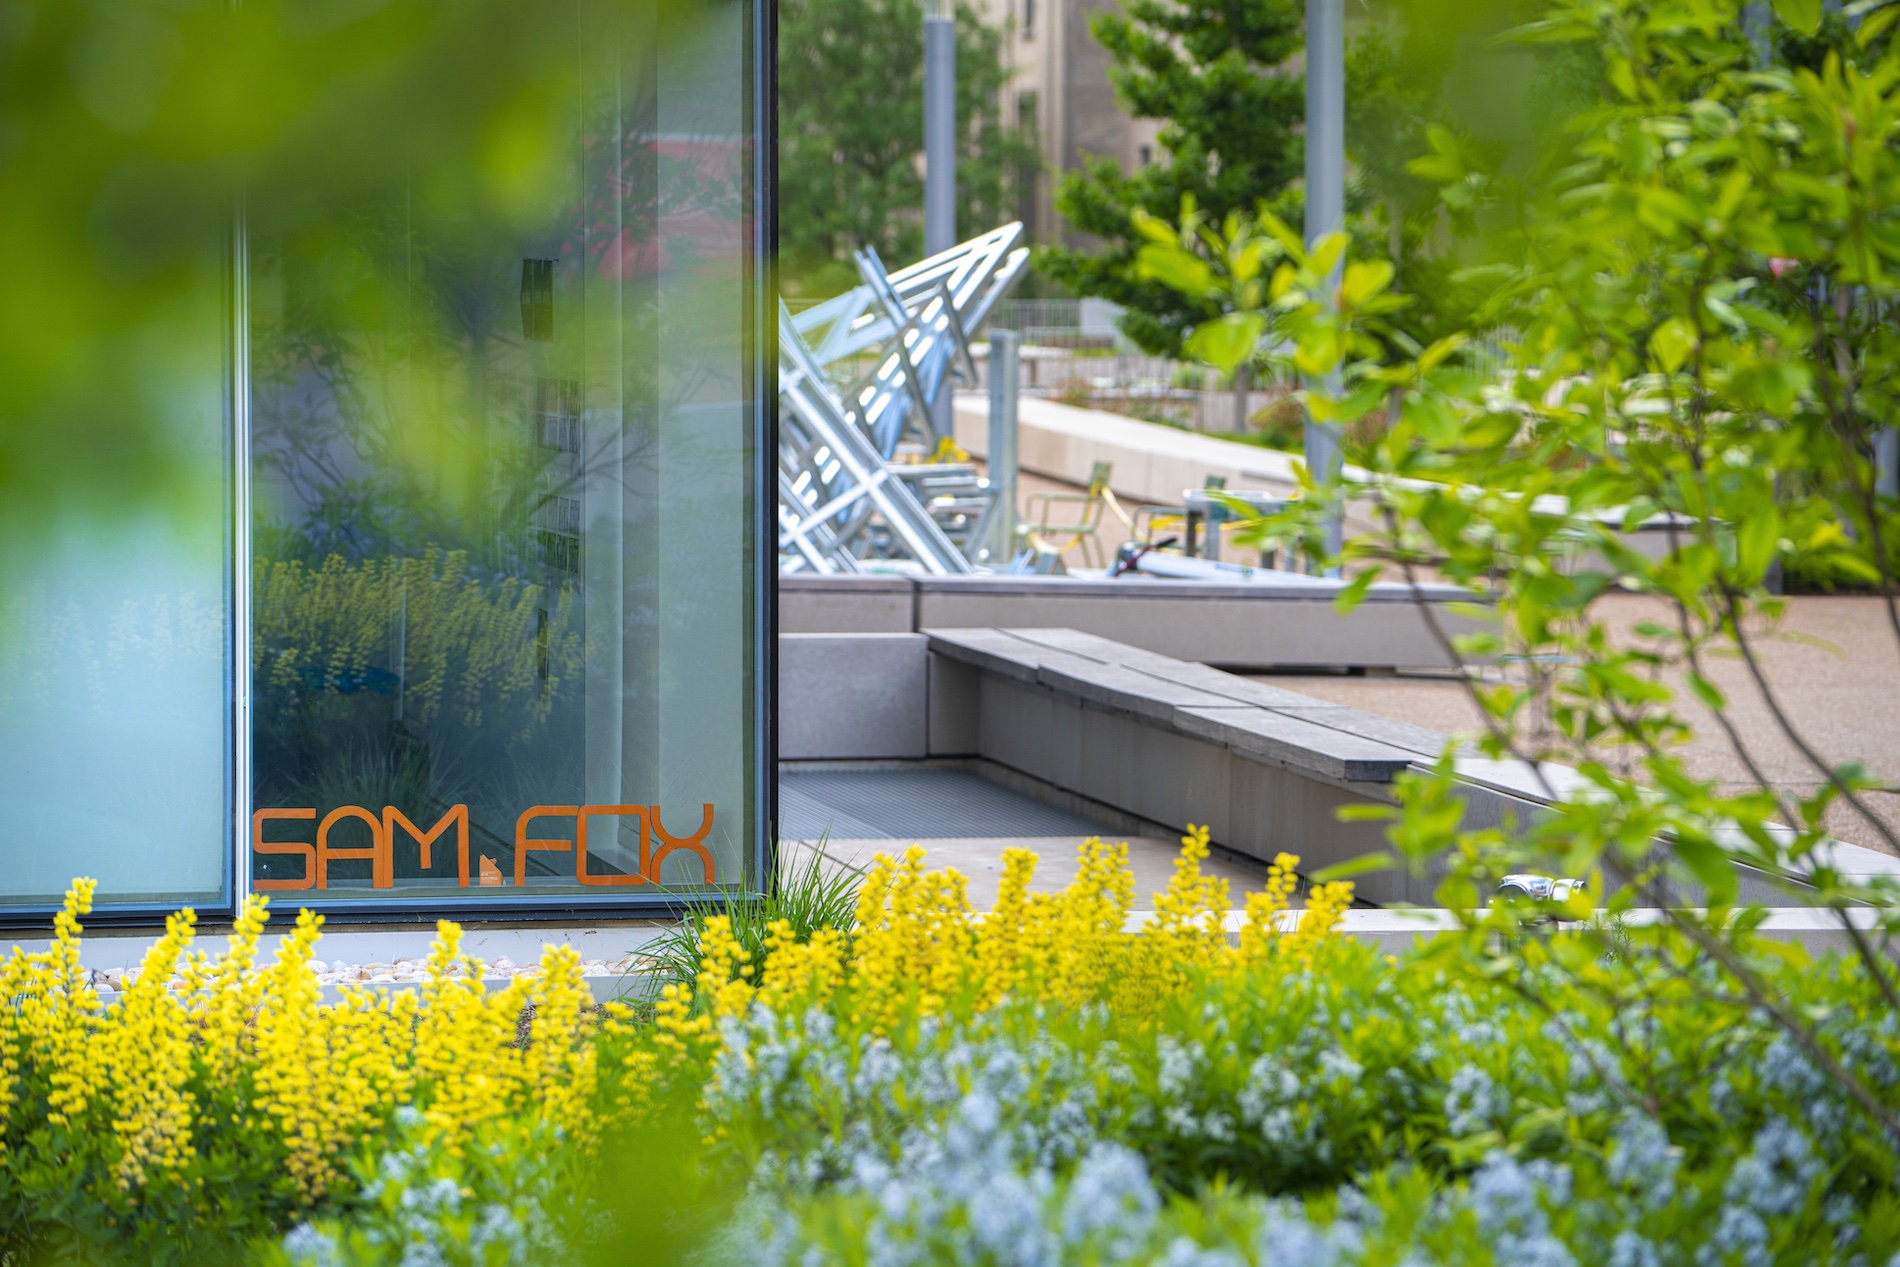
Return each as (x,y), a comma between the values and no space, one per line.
(650,826)
(294,848)
(380,852)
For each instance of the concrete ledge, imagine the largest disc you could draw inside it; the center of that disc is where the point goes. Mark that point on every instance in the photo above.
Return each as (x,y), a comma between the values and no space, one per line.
(1265,769)
(1399,928)
(846,604)
(1131,729)
(1277,727)
(1295,744)
(857,695)
(1262,626)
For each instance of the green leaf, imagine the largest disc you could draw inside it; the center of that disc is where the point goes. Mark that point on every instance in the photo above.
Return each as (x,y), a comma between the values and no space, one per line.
(1363,280)
(1876,23)
(1672,343)
(1756,540)
(1355,592)
(1364,864)
(1227,341)
(1435,355)
(1708,692)
(1173,267)
(1280,232)
(1711,865)
(1803,15)
(1155,229)
(1327,252)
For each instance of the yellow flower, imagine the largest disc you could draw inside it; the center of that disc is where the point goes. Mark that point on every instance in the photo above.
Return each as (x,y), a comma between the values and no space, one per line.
(1189,914)
(800,975)
(146,1052)
(915,931)
(1326,907)
(1261,930)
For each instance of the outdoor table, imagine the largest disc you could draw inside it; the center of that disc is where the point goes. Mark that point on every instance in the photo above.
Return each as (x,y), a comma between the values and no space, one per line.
(1211,508)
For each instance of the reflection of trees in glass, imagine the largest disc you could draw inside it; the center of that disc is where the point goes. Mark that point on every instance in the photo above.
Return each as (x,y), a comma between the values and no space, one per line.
(461,656)
(479,656)
(455,429)
(406,681)
(392,393)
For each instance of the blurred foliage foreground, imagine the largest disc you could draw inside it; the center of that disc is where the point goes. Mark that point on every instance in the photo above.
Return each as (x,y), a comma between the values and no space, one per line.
(1037,1085)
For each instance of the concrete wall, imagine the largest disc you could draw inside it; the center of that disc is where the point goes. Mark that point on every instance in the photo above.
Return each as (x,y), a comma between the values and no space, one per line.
(1135,766)
(858,696)
(1237,626)
(1153,463)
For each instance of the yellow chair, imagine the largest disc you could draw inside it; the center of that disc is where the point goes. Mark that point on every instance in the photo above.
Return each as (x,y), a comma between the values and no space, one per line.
(1060,522)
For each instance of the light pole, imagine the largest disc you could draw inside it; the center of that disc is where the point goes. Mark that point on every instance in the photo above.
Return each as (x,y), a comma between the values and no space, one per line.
(940,127)
(1326,208)
(1005,388)
(940,162)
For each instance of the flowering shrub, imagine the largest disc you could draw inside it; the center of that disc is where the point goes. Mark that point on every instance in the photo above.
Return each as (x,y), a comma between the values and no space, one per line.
(181,1121)
(1038,1085)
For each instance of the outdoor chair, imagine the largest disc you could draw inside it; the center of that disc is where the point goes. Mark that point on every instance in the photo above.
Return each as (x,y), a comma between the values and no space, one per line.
(1060,522)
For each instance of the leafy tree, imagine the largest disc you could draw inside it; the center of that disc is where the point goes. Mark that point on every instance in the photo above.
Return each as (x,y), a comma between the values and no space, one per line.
(1702,273)
(1216,71)
(851,134)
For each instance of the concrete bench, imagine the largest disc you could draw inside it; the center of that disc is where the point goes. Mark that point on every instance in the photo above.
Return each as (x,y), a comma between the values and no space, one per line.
(1154,739)
(1279,727)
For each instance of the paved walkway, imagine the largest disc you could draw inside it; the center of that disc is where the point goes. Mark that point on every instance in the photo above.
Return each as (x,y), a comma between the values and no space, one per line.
(1834,667)
(851,815)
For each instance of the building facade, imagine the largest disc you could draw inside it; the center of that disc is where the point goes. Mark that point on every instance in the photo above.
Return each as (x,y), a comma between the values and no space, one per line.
(1059,89)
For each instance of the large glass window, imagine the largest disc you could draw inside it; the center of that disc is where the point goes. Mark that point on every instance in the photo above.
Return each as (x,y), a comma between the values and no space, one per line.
(504,616)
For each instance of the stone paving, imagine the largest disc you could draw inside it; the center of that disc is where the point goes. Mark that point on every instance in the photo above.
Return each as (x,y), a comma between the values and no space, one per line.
(1833,666)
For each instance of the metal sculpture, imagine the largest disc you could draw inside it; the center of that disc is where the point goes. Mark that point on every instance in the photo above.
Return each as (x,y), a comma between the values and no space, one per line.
(843,501)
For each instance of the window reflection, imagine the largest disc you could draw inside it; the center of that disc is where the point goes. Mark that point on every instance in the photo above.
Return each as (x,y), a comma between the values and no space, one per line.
(500,636)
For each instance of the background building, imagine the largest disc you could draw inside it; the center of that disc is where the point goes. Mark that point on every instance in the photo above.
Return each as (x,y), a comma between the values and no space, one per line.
(1059,90)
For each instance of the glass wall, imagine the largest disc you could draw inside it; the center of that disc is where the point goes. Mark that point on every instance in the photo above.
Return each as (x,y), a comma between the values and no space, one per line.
(504,593)
(115,639)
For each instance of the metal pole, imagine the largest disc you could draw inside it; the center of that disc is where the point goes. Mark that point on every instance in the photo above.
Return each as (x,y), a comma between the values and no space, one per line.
(1325,204)
(940,163)
(940,129)
(1887,462)
(1004,391)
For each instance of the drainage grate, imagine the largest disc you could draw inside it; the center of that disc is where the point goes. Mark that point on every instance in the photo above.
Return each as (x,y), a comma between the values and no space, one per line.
(913,805)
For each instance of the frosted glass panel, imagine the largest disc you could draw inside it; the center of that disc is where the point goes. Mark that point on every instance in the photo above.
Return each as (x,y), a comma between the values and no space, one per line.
(115,706)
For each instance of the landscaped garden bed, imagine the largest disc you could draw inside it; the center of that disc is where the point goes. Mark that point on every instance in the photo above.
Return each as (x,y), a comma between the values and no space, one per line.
(1035,1085)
